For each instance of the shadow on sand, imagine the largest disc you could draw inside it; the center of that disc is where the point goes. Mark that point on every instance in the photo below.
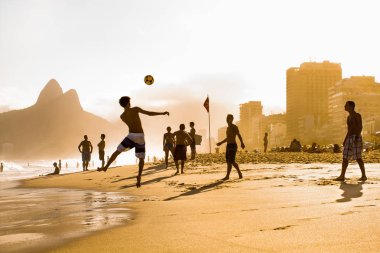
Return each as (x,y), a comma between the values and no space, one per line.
(205,188)
(350,191)
(146,172)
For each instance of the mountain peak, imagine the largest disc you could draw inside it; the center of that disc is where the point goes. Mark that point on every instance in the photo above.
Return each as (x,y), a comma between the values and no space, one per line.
(52,90)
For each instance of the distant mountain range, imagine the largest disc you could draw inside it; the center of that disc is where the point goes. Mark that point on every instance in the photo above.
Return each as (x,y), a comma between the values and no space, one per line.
(52,128)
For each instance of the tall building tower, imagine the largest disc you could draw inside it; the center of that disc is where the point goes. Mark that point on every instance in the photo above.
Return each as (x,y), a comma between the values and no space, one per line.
(365,92)
(306,98)
(250,123)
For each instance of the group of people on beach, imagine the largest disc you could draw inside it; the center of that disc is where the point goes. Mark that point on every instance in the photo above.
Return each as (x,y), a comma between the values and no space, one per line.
(177,142)
(172,142)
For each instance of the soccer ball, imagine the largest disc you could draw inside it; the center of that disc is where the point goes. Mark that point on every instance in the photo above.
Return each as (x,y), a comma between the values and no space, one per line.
(149,80)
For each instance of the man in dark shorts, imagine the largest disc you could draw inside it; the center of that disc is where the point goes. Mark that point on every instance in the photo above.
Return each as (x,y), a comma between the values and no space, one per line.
(86,152)
(135,138)
(231,149)
(101,146)
(353,143)
(192,144)
(182,139)
(168,143)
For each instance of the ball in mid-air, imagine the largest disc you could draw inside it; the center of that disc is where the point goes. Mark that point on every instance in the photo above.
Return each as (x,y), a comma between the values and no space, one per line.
(149,80)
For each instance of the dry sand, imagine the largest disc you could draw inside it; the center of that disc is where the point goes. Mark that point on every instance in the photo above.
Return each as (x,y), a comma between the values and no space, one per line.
(274,208)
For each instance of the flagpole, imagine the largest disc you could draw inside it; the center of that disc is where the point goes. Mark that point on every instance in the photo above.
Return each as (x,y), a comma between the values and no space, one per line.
(209,131)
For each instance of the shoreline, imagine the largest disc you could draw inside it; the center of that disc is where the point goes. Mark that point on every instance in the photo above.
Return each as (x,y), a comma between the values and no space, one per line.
(274,208)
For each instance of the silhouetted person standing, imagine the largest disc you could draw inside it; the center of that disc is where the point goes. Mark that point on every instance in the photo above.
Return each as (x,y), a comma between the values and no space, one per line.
(353,143)
(1,167)
(135,138)
(192,144)
(231,149)
(86,152)
(182,139)
(265,142)
(168,143)
(59,165)
(101,146)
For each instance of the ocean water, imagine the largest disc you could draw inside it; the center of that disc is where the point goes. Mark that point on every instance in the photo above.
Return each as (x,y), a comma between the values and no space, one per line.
(33,220)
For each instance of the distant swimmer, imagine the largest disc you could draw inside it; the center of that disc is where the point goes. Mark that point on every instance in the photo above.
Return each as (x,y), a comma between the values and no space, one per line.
(168,143)
(56,170)
(182,139)
(86,152)
(135,138)
(231,149)
(101,146)
(353,143)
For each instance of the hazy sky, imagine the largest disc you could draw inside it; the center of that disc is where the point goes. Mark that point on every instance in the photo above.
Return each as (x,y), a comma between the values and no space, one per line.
(235,51)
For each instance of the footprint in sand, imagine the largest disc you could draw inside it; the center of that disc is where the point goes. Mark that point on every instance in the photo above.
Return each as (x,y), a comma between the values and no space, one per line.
(349,212)
(364,205)
(284,227)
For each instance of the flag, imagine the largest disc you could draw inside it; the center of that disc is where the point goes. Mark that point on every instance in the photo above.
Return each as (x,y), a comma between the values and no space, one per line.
(206,104)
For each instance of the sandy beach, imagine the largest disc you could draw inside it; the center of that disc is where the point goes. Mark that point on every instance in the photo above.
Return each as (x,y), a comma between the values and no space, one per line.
(278,207)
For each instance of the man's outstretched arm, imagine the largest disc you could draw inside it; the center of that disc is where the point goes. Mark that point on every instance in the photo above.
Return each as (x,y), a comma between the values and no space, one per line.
(152,113)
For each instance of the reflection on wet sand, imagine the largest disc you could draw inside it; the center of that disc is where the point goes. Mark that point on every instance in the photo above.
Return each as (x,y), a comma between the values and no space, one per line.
(40,218)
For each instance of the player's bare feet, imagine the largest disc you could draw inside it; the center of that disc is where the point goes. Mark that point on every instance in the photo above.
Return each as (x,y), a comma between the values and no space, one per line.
(102,169)
(340,179)
(363,178)
(225,178)
(176,173)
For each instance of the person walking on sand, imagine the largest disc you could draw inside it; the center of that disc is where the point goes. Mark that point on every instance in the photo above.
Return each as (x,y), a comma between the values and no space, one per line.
(231,149)
(182,139)
(265,142)
(353,142)
(192,144)
(86,152)
(135,138)
(101,146)
(168,143)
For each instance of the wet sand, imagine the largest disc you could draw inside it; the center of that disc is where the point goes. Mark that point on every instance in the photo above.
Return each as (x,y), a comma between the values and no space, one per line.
(33,220)
(274,208)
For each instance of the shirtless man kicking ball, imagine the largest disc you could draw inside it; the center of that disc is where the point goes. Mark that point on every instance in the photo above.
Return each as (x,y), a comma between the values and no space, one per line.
(135,138)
